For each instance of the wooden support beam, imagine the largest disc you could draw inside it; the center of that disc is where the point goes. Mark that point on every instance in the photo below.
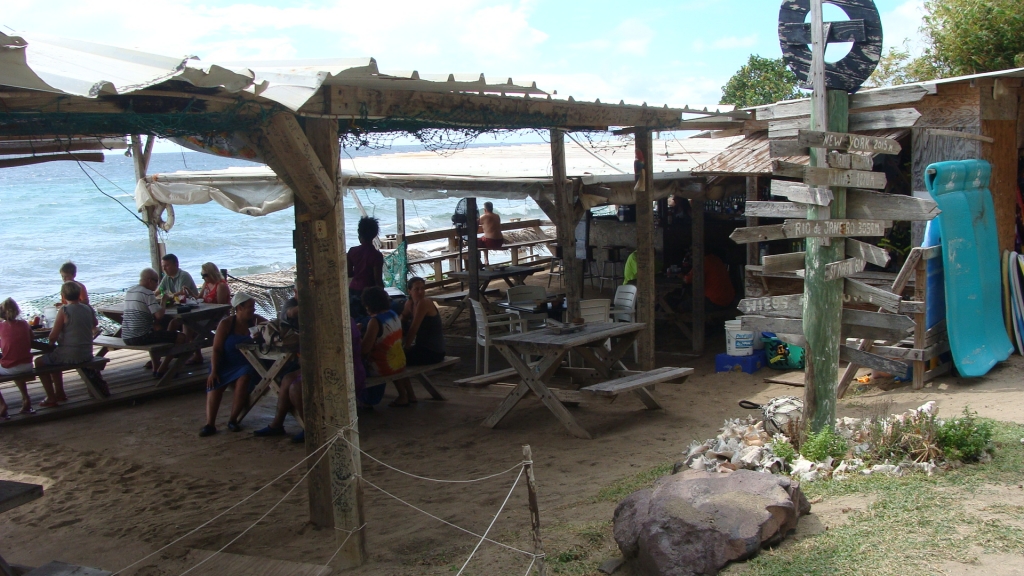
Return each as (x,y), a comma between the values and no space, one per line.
(400,220)
(999,123)
(699,299)
(308,160)
(565,226)
(31,160)
(753,249)
(473,256)
(646,295)
(140,160)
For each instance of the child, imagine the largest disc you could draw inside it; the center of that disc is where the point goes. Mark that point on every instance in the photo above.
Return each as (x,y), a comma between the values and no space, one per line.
(382,343)
(16,347)
(72,333)
(68,271)
(365,266)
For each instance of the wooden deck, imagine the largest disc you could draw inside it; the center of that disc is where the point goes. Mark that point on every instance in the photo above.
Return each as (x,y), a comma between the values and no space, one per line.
(125,375)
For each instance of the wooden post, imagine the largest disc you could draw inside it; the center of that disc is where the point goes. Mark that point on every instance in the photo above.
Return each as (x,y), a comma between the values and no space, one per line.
(140,158)
(646,294)
(531,488)
(699,301)
(823,299)
(920,321)
(473,258)
(565,220)
(999,121)
(753,248)
(400,220)
(308,163)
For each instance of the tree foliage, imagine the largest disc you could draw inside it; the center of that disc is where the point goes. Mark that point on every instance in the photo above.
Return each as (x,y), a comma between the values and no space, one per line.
(897,67)
(974,36)
(760,81)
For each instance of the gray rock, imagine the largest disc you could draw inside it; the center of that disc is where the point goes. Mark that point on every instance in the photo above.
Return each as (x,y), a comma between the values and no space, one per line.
(696,522)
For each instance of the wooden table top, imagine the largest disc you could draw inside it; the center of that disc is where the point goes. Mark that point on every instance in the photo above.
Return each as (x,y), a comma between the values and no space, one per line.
(14,494)
(504,272)
(200,309)
(547,338)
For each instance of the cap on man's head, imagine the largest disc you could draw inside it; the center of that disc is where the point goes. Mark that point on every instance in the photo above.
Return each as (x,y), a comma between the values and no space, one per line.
(240,298)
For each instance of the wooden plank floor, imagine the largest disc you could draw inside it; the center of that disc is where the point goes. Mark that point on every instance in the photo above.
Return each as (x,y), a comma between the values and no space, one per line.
(126,377)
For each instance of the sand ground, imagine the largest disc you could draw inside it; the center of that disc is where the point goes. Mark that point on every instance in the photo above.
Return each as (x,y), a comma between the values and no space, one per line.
(124,482)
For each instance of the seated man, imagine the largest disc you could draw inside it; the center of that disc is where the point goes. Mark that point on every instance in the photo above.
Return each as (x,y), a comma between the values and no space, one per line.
(490,225)
(143,320)
(176,281)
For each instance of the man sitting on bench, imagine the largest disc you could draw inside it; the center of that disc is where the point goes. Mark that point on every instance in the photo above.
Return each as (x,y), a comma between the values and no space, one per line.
(143,320)
(72,333)
(490,225)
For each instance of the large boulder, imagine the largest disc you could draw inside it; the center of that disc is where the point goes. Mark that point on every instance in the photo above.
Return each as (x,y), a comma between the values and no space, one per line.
(696,522)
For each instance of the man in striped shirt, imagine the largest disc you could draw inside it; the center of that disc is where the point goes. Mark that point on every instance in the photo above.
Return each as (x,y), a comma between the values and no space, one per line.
(142,321)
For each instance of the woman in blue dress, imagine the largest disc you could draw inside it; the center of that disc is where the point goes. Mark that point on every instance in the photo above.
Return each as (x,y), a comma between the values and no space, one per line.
(228,365)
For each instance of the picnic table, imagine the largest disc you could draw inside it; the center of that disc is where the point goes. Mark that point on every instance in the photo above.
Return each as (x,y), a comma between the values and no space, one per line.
(512,275)
(588,343)
(200,318)
(270,378)
(12,495)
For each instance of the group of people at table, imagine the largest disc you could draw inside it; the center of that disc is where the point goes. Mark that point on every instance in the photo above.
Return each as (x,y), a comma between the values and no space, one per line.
(385,340)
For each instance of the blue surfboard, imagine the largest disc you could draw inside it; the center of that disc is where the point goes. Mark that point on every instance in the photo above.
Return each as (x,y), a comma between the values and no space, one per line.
(936,311)
(970,254)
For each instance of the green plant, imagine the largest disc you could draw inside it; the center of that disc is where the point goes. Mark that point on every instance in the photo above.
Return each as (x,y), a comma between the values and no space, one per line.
(783,449)
(905,438)
(760,81)
(819,445)
(964,438)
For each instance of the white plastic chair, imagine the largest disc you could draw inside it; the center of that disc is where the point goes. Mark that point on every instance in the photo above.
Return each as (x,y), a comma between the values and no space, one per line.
(596,311)
(624,310)
(484,323)
(528,295)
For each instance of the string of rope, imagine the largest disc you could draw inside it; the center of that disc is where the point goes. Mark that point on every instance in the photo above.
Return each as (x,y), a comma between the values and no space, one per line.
(530,567)
(343,542)
(411,475)
(211,520)
(134,215)
(443,521)
(267,513)
(594,154)
(493,520)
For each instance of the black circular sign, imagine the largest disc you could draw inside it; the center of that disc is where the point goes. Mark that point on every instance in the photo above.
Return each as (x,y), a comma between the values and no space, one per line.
(854,69)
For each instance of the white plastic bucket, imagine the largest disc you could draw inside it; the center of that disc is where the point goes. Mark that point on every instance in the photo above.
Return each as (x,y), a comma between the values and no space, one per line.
(738,342)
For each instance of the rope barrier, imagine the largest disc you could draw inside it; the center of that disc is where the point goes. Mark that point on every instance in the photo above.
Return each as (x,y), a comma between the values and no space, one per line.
(267,513)
(491,525)
(390,467)
(530,567)
(443,521)
(211,520)
(343,542)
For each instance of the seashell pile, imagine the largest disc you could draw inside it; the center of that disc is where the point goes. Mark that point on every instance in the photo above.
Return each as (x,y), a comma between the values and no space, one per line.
(741,443)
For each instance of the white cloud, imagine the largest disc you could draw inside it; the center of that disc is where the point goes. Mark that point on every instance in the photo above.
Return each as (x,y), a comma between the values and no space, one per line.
(902,23)
(636,36)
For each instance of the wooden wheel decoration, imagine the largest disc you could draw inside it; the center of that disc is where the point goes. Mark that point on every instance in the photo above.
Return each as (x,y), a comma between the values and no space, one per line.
(864,29)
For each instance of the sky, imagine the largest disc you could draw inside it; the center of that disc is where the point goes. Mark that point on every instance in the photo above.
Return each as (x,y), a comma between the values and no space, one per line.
(675,52)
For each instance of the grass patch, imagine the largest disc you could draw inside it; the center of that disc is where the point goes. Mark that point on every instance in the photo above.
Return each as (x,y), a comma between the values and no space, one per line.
(638,481)
(916,522)
(579,547)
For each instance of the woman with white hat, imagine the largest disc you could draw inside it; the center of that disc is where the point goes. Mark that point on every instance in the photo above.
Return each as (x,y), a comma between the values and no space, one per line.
(228,365)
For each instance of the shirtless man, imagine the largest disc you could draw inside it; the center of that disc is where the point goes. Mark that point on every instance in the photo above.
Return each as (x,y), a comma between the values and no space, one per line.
(490,225)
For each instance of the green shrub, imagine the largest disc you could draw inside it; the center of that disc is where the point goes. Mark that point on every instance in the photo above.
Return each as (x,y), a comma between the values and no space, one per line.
(965,438)
(825,443)
(783,449)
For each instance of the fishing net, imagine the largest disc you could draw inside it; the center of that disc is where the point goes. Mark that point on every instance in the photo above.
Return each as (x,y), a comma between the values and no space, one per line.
(34,307)
(395,266)
(269,297)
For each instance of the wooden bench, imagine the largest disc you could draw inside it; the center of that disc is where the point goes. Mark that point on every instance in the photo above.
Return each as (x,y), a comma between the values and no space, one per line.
(639,383)
(97,389)
(108,343)
(419,373)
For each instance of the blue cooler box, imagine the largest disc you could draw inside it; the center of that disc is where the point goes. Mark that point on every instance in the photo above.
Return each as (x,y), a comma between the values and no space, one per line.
(748,364)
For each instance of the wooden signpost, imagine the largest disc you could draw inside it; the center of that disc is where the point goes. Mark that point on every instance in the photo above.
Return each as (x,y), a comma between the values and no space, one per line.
(833,228)
(814,176)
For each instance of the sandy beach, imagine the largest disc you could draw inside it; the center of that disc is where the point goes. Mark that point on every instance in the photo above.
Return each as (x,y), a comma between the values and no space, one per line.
(122,483)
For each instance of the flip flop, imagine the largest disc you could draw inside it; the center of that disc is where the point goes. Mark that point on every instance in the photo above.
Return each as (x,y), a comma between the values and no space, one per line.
(4,415)
(299,438)
(148,365)
(48,404)
(234,427)
(269,431)
(29,410)
(207,431)
(62,398)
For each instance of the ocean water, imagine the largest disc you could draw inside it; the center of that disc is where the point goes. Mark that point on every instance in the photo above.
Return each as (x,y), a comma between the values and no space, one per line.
(51,213)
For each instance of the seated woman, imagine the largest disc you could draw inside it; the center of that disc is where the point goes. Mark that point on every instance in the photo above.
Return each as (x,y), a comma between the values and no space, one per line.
(382,343)
(214,291)
(424,336)
(215,288)
(72,333)
(16,347)
(228,365)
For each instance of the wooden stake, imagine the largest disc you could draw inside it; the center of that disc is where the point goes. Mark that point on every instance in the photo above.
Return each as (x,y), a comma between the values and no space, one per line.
(531,487)
(140,158)
(473,256)
(565,225)
(646,294)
